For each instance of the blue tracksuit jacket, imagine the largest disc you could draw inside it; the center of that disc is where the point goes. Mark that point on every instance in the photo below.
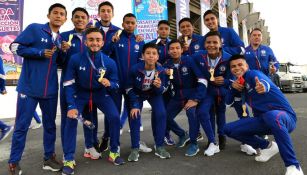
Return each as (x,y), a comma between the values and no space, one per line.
(163,50)
(38,77)
(260,59)
(196,45)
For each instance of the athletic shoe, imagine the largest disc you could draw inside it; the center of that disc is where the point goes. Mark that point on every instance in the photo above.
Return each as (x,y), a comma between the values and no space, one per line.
(183,140)
(63,161)
(249,150)
(293,170)
(121,131)
(104,144)
(14,169)
(266,154)
(162,153)
(141,128)
(144,148)
(134,155)
(52,164)
(212,149)
(222,142)
(192,150)
(36,126)
(91,153)
(68,168)
(168,140)
(199,137)
(6,132)
(116,159)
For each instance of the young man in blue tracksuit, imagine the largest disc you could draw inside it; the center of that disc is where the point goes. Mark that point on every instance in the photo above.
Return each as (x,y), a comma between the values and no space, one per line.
(192,42)
(80,19)
(5,129)
(39,45)
(273,115)
(213,64)
(83,86)
(147,81)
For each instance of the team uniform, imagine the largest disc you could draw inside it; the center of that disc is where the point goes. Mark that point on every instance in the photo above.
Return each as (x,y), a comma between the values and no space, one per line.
(162,49)
(38,83)
(273,115)
(196,43)
(216,93)
(82,88)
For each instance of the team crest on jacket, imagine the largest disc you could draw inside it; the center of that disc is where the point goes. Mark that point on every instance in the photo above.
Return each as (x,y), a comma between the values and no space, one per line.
(196,47)
(184,69)
(222,68)
(263,52)
(137,47)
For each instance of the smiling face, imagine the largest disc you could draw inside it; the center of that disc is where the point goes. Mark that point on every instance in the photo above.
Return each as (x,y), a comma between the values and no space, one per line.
(57,17)
(238,67)
(150,56)
(213,45)
(94,41)
(211,22)
(186,28)
(80,20)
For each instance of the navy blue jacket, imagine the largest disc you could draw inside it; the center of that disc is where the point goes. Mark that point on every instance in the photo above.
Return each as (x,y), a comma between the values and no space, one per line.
(196,45)
(2,76)
(221,69)
(260,59)
(126,52)
(38,76)
(81,79)
(185,83)
(135,84)
(272,99)
(163,50)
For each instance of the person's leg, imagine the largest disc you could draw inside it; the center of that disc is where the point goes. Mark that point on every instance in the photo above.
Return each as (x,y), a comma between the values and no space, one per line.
(25,109)
(173,109)
(90,135)
(281,124)
(63,107)
(221,120)
(36,118)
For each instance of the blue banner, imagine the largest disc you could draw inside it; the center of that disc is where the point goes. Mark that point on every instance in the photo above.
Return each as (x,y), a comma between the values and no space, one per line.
(148,13)
(11,16)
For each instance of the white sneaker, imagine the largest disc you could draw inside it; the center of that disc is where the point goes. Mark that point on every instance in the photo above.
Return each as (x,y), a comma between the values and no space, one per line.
(266,154)
(121,131)
(249,150)
(141,128)
(212,149)
(292,170)
(91,153)
(36,126)
(144,148)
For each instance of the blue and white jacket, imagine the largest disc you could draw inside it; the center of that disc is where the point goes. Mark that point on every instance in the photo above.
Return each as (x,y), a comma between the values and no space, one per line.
(81,78)
(38,76)
(134,87)
(260,59)
(196,45)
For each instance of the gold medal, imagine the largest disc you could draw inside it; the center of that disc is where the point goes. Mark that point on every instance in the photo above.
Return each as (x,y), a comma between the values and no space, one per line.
(156,75)
(102,73)
(69,39)
(94,23)
(171,71)
(244,114)
(118,33)
(212,74)
(186,39)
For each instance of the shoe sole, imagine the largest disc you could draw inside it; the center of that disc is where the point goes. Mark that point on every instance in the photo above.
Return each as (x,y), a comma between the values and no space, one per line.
(248,153)
(68,174)
(50,168)
(184,143)
(162,156)
(110,160)
(191,155)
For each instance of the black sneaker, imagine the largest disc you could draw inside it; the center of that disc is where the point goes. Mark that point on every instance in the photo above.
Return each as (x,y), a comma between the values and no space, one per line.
(14,169)
(222,142)
(104,144)
(52,164)
(97,147)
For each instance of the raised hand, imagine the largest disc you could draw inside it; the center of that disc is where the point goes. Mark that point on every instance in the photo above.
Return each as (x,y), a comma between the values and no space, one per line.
(260,88)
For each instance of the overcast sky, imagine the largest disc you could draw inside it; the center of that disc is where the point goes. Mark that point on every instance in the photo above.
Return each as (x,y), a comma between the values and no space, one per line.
(287,26)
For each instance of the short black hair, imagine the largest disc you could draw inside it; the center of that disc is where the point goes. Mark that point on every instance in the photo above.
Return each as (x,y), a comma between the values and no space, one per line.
(91,30)
(57,5)
(185,20)
(150,45)
(213,33)
(255,29)
(163,22)
(210,12)
(107,3)
(77,9)
(236,57)
(129,15)
(174,41)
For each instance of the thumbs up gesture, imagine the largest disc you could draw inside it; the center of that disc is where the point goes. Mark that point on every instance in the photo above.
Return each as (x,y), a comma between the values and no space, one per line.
(260,88)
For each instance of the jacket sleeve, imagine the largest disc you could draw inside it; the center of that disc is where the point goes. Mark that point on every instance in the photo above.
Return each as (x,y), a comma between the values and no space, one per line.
(202,82)
(22,45)
(70,84)
(236,44)
(2,76)
(113,76)
(133,97)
